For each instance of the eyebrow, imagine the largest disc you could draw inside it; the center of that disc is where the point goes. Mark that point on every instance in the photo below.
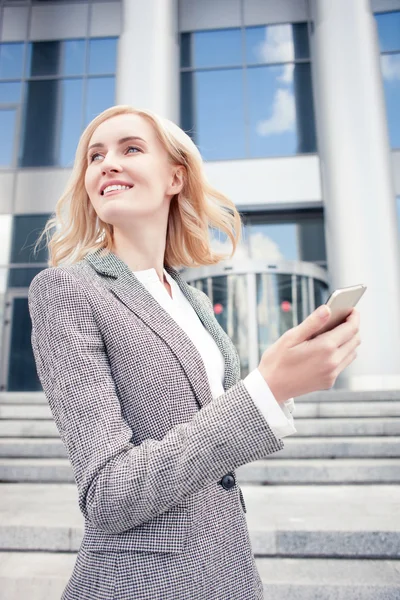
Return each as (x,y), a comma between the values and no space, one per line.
(121,141)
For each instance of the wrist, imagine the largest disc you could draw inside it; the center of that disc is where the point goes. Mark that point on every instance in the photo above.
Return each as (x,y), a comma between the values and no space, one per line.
(275,386)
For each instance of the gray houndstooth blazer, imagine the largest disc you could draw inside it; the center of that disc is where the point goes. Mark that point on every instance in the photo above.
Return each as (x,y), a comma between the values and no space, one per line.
(148,444)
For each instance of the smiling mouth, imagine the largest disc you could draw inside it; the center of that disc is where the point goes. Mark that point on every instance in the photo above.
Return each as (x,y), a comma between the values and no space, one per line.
(115,191)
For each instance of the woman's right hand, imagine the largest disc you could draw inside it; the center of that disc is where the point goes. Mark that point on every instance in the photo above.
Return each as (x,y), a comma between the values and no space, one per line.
(295,365)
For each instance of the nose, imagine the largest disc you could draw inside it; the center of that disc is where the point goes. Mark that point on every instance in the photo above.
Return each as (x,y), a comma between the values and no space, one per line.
(110,164)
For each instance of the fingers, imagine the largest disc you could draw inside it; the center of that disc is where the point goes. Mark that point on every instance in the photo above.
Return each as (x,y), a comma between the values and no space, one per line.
(343,333)
(348,350)
(349,358)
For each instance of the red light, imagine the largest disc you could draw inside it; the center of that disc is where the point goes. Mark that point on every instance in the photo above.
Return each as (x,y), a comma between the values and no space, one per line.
(286,306)
(218,309)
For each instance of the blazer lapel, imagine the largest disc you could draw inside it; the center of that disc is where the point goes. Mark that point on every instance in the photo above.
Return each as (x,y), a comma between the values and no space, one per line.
(129,290)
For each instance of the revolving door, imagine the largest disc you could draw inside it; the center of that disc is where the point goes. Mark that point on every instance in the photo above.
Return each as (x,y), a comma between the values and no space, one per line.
(255,303)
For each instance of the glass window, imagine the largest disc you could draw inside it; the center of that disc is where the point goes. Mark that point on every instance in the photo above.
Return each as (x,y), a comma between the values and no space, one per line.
(10,92)
(251,111)
(102,56)
(277,43)
(21,374)
(321,293)
(300,306)
(7,128)
(220,48)
(56,58)
(26,230)
(274,307)
(185,49)
(277,241)
(39,142)
(284,236)
(277,126)
(54,111)
(71,120)
(187,106)
(229,294)
(74,57)
(44,58)
(11,61)
(388,25)
(390,67)
(100,95)
(311,240)
(220,123)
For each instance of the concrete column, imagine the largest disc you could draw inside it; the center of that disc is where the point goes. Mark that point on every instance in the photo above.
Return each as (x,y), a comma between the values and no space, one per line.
(148,57)
(358,191)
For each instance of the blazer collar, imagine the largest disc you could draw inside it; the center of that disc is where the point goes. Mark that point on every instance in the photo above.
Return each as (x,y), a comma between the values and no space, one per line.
(129,290)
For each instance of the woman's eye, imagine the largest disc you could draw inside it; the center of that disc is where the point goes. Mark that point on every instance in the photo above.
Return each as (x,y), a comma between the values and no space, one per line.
(93,156)
(133,148)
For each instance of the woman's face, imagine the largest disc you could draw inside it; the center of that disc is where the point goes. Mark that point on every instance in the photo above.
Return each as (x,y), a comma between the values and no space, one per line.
(124,151)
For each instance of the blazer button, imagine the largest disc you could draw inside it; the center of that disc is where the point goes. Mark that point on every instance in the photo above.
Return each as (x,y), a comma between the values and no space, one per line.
(227,482)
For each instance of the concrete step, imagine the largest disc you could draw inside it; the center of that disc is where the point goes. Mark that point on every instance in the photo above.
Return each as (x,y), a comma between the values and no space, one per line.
(308,410)
(22,398)
(333,395)
(329,579)
(36,469)
(348,427)
(295,447)
(312,471)
(303,410)
(329,521)
(34,575)
(265,472)
(25,411)
(43,576)
(342,395)
(38,448)
(28,429)
(305,427)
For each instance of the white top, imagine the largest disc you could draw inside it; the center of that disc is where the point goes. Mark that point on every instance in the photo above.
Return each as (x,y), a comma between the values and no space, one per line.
(279,417)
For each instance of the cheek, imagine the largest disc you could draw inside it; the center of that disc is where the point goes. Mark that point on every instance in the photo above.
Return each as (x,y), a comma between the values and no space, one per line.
(89,182)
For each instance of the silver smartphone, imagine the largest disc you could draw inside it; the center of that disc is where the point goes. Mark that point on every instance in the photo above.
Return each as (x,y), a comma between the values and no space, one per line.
(341,302)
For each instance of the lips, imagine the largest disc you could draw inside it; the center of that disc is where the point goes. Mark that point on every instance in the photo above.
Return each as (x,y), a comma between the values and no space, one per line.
(107,184)
(113,192)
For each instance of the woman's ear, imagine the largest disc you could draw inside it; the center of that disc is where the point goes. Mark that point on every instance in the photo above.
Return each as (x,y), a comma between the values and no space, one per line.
(178,180)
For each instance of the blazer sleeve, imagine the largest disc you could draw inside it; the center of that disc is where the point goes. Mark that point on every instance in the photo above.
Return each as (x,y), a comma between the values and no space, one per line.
(122,485)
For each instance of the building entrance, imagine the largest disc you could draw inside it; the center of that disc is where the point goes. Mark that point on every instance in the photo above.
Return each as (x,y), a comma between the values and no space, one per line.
(18,370)
(256,302)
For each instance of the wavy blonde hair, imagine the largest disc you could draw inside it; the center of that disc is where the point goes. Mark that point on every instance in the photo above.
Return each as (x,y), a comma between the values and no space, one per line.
(79,230)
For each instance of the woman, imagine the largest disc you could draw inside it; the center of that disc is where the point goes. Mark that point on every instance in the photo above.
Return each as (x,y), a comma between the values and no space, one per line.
(143,383)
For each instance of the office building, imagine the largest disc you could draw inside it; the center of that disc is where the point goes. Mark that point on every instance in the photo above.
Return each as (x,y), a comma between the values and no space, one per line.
(294,107)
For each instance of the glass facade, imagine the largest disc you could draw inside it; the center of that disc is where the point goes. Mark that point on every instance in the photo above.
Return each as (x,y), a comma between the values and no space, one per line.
(247,92)
(388,26)
(50,91)
(18,266)
(297,236)
(280,300)
(229,296)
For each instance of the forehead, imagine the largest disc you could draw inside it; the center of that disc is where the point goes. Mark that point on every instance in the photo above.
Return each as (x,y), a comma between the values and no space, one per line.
(122,126)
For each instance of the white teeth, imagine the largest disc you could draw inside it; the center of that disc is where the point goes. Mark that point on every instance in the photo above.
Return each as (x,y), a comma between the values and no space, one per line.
(111,188)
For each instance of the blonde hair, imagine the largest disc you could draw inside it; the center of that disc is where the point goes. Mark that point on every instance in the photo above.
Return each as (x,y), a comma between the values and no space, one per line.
(79,230)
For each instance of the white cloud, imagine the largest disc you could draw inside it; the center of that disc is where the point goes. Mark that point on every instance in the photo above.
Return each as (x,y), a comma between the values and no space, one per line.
(226,247)
(259,246)
(277,46)
(262,247)
(390,64)
(287,75)
(283,115)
